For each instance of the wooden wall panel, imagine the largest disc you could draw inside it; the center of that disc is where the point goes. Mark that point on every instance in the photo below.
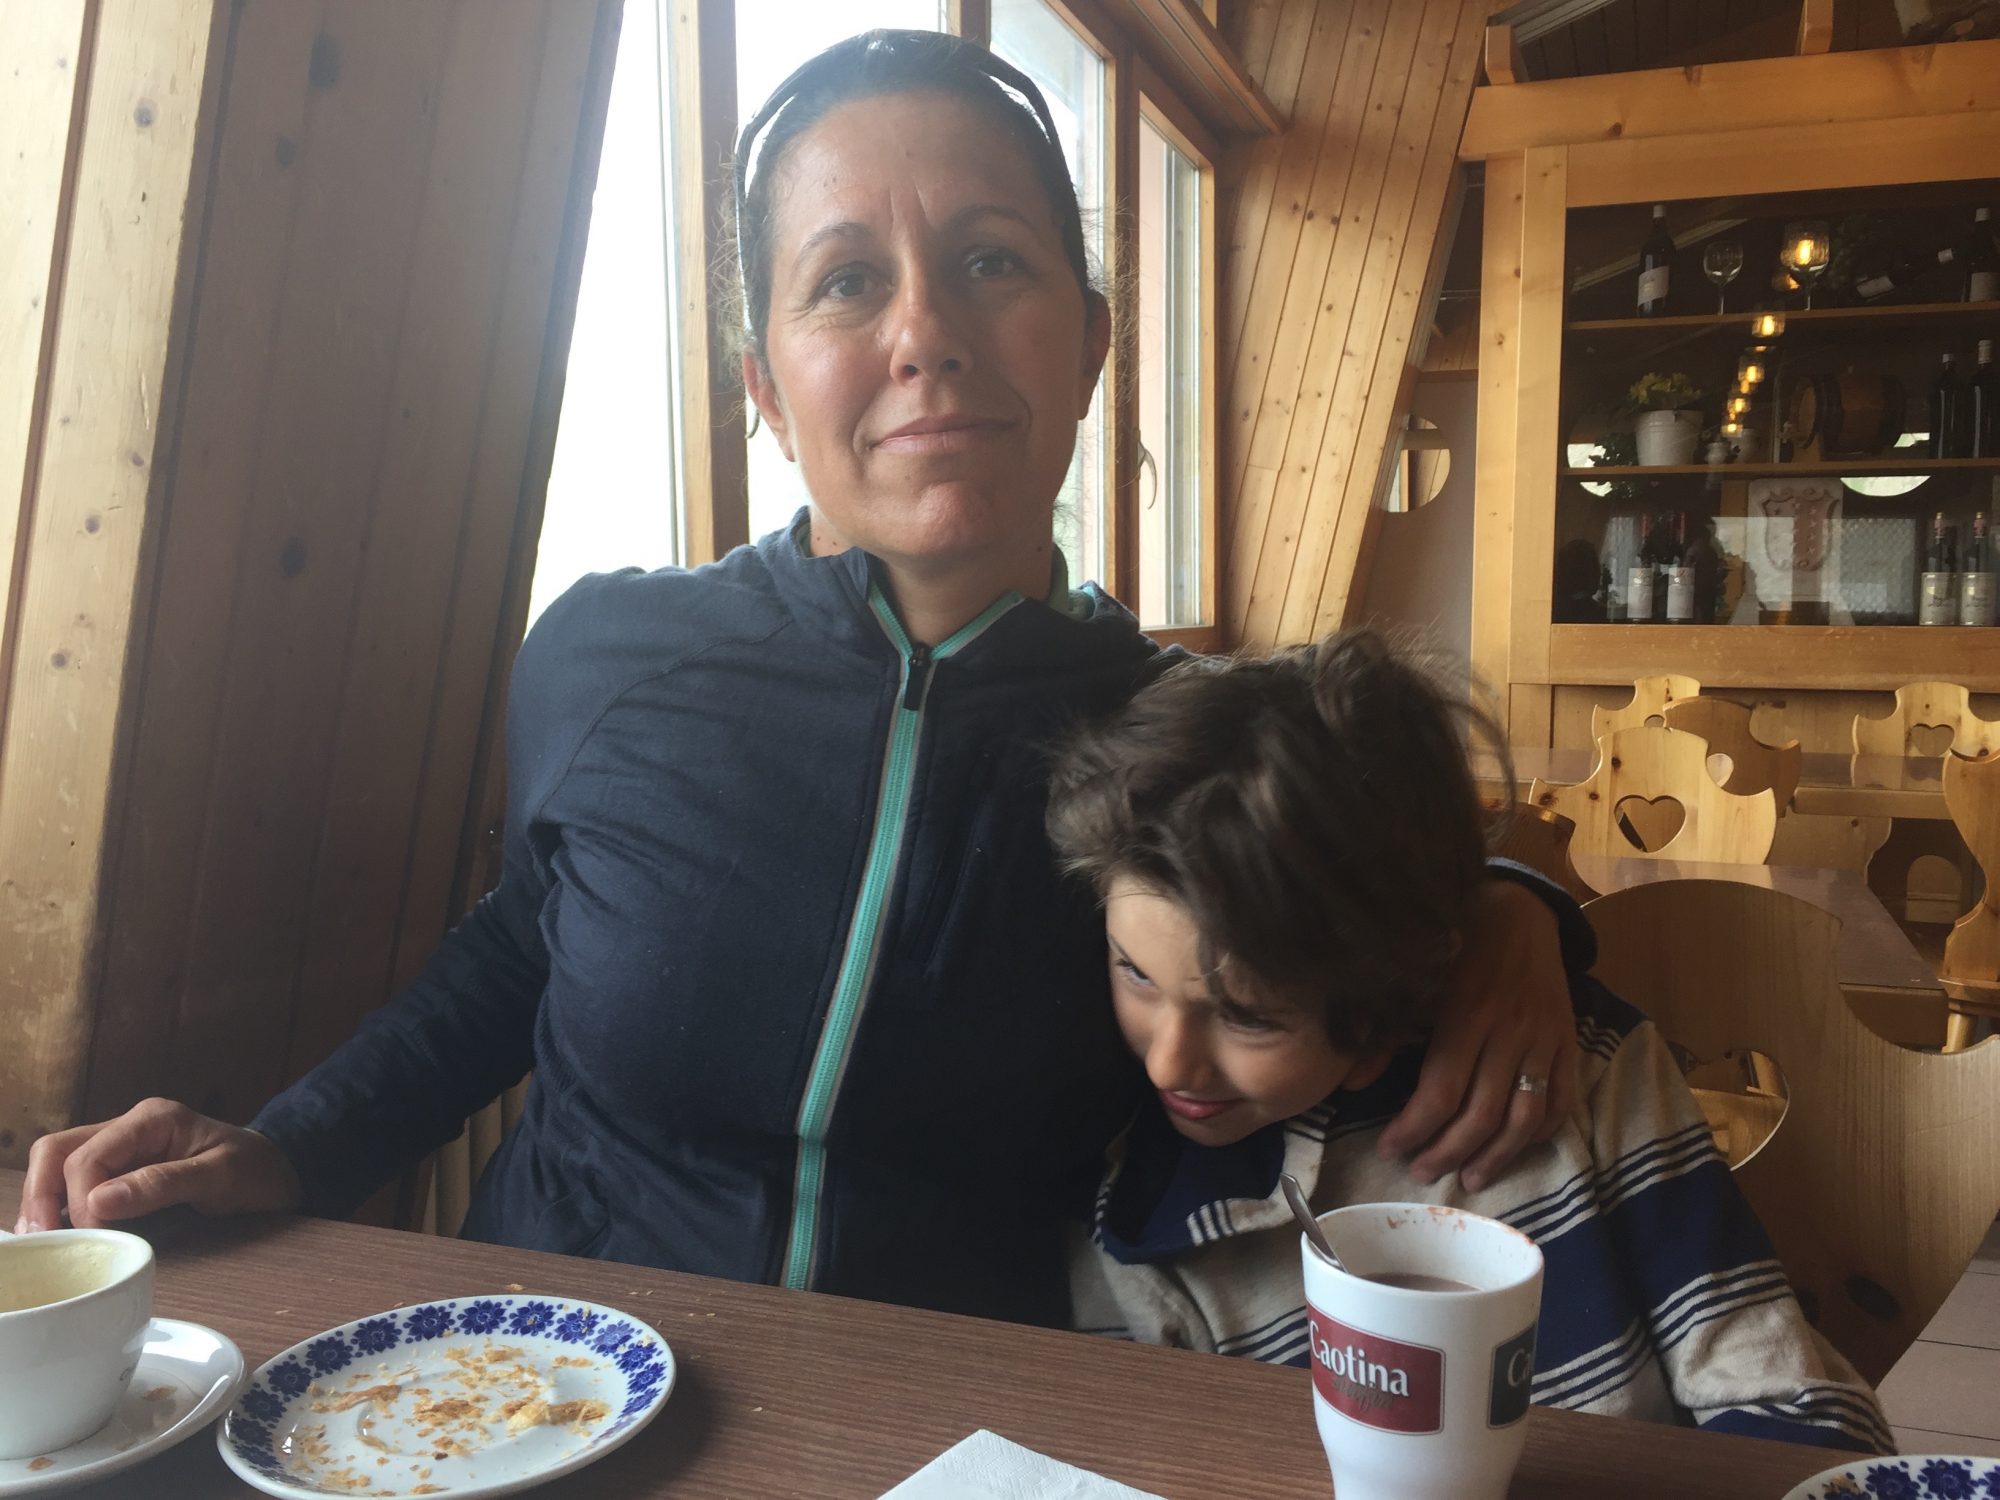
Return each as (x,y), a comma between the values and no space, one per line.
(278,484)
(1330,248)
(45,44)
(369,413)
(93,471)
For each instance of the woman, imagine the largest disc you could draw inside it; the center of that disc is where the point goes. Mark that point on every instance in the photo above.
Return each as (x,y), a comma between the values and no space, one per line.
(778,930)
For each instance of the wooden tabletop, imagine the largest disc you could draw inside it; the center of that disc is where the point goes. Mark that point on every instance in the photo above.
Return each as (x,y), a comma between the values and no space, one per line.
(1874,951)
(794,1394)
(1849,785)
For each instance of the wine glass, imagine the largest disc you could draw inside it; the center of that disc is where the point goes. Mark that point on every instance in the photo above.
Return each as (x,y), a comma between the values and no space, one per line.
(1807,247)
(1720,263)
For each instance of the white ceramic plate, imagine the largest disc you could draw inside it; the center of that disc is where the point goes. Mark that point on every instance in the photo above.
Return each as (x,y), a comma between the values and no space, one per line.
(185,1376)
(467,1397)
(1927,1476)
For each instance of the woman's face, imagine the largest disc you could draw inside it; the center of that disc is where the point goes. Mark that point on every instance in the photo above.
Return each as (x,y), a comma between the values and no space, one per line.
(928,350)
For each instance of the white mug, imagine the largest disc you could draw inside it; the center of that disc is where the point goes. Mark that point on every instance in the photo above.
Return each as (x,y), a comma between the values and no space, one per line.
(74,1307)
(1422,1394)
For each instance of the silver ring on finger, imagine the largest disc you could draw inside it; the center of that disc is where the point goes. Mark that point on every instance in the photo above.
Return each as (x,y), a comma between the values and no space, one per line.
(1527,1083)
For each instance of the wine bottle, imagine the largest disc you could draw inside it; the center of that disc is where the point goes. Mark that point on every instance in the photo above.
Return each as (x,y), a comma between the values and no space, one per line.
(1975,576)
(1904,275)
(1656,265)
(1947,413)
(1680,575)
(1938,596)
(1982,407)
(1982,260)
(1639,583)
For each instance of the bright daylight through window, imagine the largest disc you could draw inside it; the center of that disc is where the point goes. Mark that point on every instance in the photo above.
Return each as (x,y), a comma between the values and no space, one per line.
(1071,76)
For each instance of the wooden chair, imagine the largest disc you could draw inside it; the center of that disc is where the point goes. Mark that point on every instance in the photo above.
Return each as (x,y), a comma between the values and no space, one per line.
(1651,697)
(1970,972)
(1654,764)
(1929,718)
(1540,838)
(1885,1173)
(1753,766)
(1820,841)
(1927,706)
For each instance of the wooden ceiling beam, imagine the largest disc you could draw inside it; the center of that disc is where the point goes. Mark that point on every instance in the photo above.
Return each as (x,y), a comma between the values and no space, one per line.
(1833,88)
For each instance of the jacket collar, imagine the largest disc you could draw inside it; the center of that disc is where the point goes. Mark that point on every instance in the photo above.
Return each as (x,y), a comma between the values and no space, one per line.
(1164,1194)
(829,596)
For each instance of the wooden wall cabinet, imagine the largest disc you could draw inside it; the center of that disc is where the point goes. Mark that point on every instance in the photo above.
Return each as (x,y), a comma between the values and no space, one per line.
(1806,124)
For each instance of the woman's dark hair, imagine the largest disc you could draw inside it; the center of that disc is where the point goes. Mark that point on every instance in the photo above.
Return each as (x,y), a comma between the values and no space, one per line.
(1313,811)
(868,66)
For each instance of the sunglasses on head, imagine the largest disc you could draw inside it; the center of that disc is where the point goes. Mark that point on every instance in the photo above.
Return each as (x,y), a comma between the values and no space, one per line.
(949,54)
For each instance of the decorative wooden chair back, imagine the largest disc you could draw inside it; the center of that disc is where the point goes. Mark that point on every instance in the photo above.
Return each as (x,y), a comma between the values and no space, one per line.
(1651,764)
(1884,1174)
(1927,706)
(1970,972)
(1651,697)
(1753,765)
(1540,838)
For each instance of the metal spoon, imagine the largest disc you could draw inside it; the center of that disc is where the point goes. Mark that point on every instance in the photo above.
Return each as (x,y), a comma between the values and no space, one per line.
(1315,1236)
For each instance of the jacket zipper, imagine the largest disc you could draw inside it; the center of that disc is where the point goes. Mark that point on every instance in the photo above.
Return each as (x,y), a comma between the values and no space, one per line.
(857,963)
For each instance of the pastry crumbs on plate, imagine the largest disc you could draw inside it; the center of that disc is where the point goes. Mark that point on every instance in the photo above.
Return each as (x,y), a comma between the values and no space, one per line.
(381,1397)
(36,1465)
(158,1393)
(430,1489)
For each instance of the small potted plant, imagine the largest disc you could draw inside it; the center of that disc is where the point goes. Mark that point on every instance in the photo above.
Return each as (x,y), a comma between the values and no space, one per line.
(1667,420)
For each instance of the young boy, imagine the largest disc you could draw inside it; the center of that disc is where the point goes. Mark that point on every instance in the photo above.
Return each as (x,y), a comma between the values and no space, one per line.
(1286,849)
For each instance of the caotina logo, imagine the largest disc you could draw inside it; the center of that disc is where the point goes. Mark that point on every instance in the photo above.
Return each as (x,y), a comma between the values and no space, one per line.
(1377,1381)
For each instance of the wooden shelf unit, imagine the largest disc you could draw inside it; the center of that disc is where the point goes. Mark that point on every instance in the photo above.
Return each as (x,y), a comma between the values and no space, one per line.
(1810,319)
(1850,657)
(1834,124)
(1836,468)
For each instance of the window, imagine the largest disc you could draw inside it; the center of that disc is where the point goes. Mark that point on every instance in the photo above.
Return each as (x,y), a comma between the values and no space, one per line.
(786,33)
(1072,75)
(613,497)
(1174,416)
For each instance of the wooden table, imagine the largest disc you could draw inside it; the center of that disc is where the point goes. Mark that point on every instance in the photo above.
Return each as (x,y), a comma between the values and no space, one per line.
(1875,953)
(1849,785)
(793,1394)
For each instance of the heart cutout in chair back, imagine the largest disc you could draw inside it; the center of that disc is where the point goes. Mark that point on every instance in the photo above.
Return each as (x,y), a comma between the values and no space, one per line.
(1650,823)
(1931,739)
(1744,1097)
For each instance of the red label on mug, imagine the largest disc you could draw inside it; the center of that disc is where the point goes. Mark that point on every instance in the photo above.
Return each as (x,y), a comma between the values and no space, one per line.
(1376,1381)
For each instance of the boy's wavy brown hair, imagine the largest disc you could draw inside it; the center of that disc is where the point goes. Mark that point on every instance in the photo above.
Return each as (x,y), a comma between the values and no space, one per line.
(1315,813)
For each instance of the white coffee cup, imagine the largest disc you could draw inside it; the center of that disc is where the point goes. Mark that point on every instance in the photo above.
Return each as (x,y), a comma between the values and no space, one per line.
(1422,1394)
(74,1306)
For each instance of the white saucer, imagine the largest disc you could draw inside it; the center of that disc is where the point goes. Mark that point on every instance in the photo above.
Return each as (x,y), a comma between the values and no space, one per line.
(185,1377)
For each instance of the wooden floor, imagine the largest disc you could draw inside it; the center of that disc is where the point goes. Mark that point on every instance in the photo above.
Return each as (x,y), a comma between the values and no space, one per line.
(1944,1395)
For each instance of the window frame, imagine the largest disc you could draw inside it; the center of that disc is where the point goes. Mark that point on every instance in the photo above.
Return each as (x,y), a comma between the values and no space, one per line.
(1164,110)
(715,492)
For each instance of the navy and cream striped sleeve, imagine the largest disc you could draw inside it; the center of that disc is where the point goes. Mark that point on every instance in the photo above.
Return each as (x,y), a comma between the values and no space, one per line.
(1716,1310)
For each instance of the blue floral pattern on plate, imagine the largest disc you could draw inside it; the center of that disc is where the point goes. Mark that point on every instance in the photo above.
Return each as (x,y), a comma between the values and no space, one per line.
(1911,1477)
(587,1349)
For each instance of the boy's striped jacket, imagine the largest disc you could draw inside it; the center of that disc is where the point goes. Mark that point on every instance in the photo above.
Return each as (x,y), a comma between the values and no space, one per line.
(1661,1298)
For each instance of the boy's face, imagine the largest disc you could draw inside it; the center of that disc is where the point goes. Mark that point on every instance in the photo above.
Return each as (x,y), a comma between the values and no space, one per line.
(1222,1071)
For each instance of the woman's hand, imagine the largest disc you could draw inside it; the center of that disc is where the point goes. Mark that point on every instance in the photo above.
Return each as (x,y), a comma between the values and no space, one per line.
(1506,1016)
(155,1155)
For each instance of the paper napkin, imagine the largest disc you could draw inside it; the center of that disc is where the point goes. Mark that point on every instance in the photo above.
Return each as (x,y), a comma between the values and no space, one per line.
(988,1467)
